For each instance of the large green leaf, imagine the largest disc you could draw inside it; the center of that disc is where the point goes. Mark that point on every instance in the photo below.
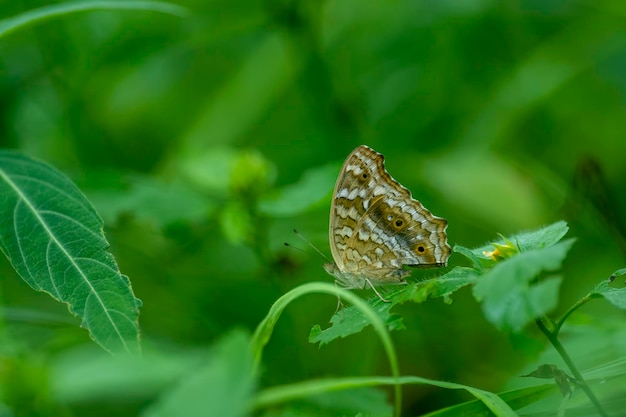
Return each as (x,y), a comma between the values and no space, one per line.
(53,237)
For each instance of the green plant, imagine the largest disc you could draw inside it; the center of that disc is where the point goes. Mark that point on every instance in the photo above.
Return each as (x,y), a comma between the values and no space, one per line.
(204,132)
(53,238)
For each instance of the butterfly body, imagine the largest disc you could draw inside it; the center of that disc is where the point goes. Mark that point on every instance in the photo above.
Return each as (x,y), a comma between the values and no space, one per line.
(376,227)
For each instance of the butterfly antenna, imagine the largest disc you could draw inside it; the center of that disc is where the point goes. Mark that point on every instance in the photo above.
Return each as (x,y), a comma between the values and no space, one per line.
(301,236)
(294,247)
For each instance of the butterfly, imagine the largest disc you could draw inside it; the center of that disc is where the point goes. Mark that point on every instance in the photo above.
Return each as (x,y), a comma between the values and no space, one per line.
(376,227)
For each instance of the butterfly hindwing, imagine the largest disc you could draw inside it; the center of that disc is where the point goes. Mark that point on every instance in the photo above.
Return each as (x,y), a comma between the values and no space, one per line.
(376,227)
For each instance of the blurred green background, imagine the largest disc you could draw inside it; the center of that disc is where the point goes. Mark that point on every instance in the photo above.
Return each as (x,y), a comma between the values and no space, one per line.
(204,139)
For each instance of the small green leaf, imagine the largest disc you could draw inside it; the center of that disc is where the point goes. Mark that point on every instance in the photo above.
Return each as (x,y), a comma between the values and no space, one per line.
(618,273)
(542,238)
(350,320)
(553,372)
(510,299)
(443,286)
(536,239)
(221,388)
(469,254)
(53,238)
(615,296)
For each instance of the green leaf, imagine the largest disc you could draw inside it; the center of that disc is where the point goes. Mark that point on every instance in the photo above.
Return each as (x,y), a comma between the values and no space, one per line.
(221,388)
(349,320)
(536,239)
(618,273)
(553,372)
(264,330)
(41,14)
(542,238)
(443,286)
(53,238)
(469,254)
(515,399)
(490,403)
(615,296)
(510,299)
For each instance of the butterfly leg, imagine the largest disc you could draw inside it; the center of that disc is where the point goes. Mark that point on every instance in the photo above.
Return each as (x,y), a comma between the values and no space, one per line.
(376,291)
(339,303)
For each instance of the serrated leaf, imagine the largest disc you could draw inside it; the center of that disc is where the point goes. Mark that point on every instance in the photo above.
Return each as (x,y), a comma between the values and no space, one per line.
(350,320)
(443,286)
(536,239)
(615,296)
(542,238)
(510,300)
(53,238)
(221,388)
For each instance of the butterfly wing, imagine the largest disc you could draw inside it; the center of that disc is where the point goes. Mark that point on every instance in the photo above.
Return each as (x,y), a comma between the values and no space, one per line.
(376,226)
(348,206)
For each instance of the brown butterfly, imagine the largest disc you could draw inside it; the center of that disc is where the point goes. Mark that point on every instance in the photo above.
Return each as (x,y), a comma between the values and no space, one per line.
(376,227)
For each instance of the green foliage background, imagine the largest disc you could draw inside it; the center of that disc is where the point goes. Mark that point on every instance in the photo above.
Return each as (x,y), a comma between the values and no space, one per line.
(204,138)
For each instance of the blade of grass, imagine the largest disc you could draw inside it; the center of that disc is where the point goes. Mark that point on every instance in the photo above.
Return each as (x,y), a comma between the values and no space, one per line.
(42,14)
(281,394)
(264,330)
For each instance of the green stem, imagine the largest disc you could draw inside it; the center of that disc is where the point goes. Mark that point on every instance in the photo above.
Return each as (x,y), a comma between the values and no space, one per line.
(579,303)
(552,336)
(264,330)
(279,394)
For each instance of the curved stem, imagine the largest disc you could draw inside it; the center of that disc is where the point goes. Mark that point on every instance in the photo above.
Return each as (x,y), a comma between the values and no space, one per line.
(552,336)
(264,330)
(573,308)
(280,394)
